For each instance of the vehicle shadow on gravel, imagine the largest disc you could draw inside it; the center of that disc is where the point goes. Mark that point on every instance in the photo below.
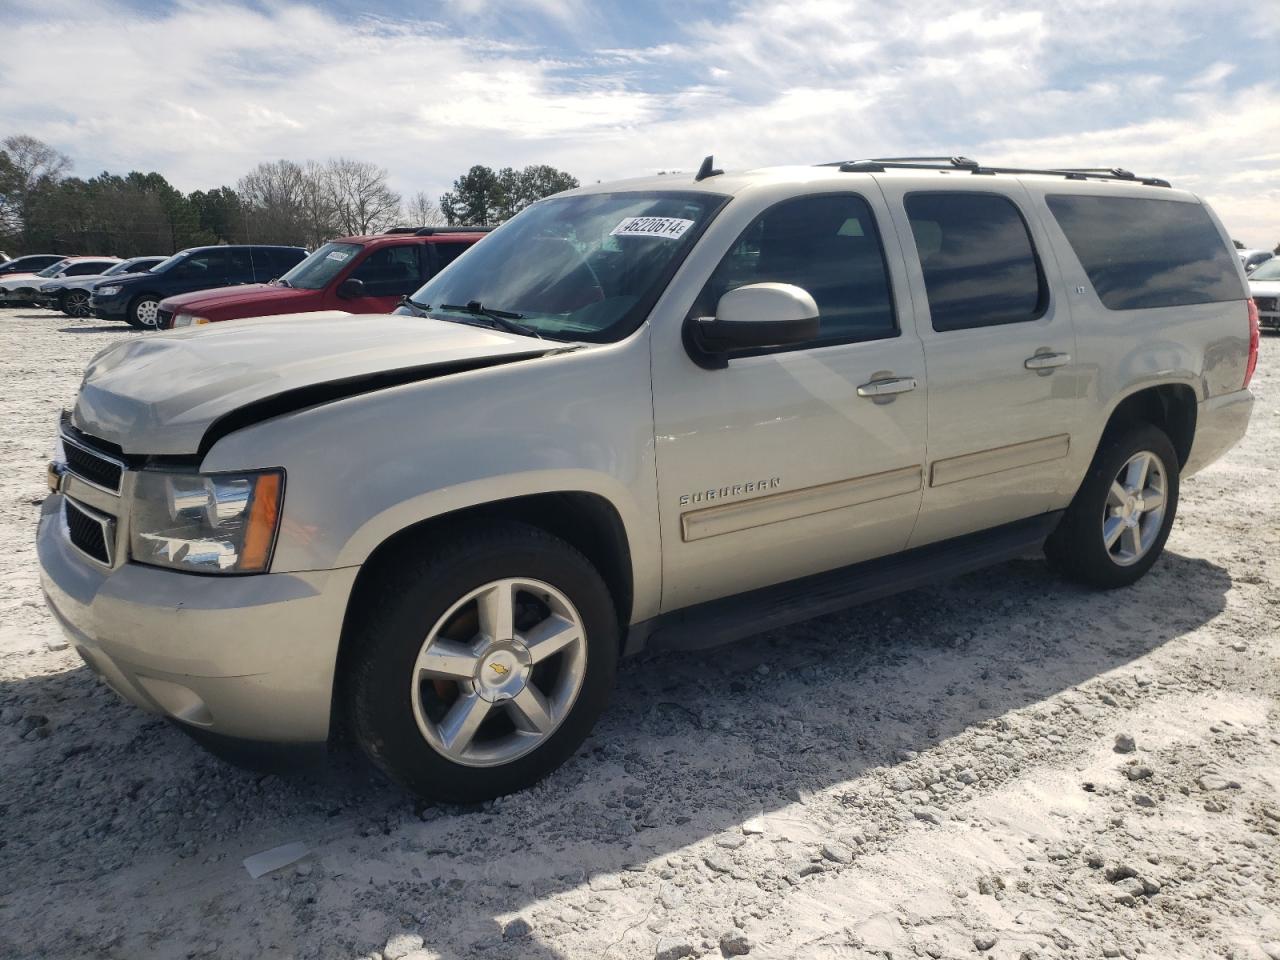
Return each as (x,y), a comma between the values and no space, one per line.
(105,328)
(112,806)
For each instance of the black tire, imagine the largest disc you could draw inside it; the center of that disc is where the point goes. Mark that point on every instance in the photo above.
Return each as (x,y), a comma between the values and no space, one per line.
(75,303)
(415,591)
(1077,547)
(134,320)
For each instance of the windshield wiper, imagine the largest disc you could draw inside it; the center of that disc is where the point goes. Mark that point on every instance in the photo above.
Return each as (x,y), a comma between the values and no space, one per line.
(408,301)
(501,319)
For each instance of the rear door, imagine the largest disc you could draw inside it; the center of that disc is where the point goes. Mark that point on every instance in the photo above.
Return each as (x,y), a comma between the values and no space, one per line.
(1000,352)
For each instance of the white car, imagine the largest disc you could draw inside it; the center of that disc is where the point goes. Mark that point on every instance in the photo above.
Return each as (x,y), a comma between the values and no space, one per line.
(23,287)
(1252,259)
(1264,287)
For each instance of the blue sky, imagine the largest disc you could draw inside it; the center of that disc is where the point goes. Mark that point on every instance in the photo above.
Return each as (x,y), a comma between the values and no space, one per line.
(202,91)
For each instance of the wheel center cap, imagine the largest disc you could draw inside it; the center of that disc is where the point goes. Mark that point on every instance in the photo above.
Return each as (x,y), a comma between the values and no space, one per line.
(503,670)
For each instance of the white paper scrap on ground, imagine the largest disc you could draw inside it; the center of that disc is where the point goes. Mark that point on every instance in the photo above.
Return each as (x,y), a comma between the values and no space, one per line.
(275,858)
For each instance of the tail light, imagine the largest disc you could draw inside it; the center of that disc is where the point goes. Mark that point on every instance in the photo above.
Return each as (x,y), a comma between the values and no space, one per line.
(1254,335)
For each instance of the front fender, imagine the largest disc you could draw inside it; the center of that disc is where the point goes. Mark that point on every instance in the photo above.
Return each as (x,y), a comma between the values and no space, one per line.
(360,469)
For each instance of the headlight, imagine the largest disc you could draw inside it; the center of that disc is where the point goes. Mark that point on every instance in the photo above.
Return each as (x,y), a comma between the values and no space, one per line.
(106,291)
(214,523)
(187,320)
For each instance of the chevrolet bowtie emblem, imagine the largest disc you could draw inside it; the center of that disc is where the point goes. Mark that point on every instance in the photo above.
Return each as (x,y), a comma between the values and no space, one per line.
(499,669)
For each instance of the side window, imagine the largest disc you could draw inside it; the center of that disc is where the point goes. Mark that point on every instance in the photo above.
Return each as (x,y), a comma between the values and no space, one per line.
(239,266)
(446,253)
(85,269)
(828,245)
(979,266)
(390,271)
(1148,253)
(208,267)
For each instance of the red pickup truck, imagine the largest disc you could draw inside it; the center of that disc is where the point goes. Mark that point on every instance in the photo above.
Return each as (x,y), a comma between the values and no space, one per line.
(356,274)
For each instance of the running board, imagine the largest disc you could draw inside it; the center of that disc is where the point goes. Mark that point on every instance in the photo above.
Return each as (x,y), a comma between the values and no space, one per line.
(747,614)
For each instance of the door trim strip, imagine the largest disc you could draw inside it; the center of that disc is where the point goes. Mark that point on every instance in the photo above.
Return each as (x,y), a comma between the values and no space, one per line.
(999,459)
(794,504)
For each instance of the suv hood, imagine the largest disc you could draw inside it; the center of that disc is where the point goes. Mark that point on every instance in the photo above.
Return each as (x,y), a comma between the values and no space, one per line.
(232,296)
(161,394)
(1264,288)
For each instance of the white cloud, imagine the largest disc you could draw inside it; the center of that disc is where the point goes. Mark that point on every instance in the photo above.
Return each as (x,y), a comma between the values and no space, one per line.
(207,90)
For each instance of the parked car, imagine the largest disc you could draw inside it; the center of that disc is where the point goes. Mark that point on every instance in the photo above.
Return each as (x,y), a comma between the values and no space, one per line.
(1264,287)
(367,274)
(136,299)
(20,288)
(652,414)
(71,294)
(32,263)
(1252,259)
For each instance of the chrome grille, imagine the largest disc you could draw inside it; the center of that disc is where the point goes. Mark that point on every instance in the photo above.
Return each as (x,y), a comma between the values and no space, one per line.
(92,466)
(1266,304)
(90,532)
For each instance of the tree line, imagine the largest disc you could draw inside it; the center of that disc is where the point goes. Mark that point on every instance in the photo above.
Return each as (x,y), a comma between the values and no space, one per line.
(44,210)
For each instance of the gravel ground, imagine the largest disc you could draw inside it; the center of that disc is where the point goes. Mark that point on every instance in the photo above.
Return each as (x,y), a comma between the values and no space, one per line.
(1004,766)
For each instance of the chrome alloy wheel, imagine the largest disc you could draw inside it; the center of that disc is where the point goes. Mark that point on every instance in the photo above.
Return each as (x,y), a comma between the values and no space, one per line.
(499,672)
(78,303)
(148,313)
(1134,513)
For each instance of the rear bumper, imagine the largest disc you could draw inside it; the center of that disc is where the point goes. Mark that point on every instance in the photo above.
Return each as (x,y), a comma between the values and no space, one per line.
(248,658)
(1221,423)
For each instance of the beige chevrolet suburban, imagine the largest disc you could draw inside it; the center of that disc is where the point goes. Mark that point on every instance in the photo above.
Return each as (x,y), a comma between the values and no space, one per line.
(651,414)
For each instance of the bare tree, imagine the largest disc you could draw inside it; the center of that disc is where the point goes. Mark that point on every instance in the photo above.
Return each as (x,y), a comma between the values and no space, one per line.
(361,199)
(421,211)
(26,164)
(274,199)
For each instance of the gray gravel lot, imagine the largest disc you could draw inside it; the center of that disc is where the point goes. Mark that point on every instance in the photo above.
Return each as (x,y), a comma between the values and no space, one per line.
(1004,766)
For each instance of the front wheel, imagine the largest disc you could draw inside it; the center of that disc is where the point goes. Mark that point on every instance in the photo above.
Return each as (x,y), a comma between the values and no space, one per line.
(479,668)
(75,303)
(144,313)
(1117,525)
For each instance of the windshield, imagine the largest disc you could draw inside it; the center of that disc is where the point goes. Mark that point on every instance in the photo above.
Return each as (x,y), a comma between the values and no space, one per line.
(52,269)
(1267,271)
(164,265)
(319,268)
(576,268)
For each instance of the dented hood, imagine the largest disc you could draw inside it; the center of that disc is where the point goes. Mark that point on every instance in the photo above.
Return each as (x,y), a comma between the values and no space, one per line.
(161,394)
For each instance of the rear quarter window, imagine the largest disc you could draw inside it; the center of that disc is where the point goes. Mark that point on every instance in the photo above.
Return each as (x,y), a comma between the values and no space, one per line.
(1148,253)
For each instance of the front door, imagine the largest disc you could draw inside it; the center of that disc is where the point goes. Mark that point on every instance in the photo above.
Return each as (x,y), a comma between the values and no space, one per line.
(388,273)
(792,461)
(999,348)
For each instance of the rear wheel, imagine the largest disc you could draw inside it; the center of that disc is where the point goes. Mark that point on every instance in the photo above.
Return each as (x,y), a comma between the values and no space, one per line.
(144,313)
(75,303)
(482,666)
(1117,525)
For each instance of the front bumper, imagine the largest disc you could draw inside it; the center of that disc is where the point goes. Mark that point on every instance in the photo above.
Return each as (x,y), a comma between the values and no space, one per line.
(1221,423)
(245,657)
(110,308)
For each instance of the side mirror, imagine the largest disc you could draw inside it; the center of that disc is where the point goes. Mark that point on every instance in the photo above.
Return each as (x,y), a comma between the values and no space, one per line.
(759,315)
(350,289)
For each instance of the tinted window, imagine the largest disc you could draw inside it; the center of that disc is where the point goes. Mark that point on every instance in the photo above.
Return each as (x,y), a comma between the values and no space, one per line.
(828,245)
(208,266)
(239,265)
(1148,253)
(86,269)
(979,266)
(390,271)
(446,253)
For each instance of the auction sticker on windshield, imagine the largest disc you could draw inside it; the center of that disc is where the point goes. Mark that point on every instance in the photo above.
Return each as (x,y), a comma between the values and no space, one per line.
(338,255)
(672,228)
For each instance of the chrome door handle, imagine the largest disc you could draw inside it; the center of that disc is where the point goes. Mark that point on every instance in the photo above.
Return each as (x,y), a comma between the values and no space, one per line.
(888,387)
(1047,361)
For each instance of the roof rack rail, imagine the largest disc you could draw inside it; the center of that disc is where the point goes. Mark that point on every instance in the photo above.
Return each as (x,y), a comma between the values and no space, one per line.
(432,231)
(880,164)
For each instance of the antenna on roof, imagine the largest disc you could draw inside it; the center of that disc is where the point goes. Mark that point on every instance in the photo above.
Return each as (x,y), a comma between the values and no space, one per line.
(708,169)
